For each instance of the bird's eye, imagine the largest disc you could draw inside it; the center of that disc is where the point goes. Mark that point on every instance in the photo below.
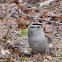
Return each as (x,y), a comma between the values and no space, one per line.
(38,27)
(31,27)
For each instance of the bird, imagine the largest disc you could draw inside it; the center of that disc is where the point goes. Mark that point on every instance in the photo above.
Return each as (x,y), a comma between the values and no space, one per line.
(37,39)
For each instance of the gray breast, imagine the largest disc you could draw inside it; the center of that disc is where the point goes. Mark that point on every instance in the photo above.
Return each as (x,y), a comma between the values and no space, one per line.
(37,40)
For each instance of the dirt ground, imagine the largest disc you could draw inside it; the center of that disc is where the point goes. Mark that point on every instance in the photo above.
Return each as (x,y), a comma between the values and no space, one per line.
(14,22)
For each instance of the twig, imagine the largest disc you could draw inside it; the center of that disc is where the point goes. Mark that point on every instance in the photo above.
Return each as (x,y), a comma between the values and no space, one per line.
(27,15)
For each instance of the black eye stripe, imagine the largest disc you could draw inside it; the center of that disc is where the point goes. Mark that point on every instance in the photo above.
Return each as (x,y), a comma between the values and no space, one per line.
(36,24)
(35,27)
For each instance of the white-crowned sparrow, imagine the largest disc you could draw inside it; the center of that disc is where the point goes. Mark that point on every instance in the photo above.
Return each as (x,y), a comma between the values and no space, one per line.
(36,38)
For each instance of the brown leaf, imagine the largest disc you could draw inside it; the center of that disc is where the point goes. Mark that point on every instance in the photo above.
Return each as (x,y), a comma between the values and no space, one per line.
(58,16)
(48,32)
(27,11)
(4,42)
(47,28)
(20,7)
(45,14)
(22,23)
(16,1)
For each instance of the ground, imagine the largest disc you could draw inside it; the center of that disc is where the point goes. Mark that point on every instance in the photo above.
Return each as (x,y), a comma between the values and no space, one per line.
(14,25)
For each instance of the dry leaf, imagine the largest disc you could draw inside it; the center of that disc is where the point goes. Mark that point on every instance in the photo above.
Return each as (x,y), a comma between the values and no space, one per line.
(16,1)
(20,7)
(45,14)
(22,23)
(27,11)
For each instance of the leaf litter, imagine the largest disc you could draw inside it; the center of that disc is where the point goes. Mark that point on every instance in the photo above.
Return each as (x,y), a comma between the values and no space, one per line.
(14,44)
